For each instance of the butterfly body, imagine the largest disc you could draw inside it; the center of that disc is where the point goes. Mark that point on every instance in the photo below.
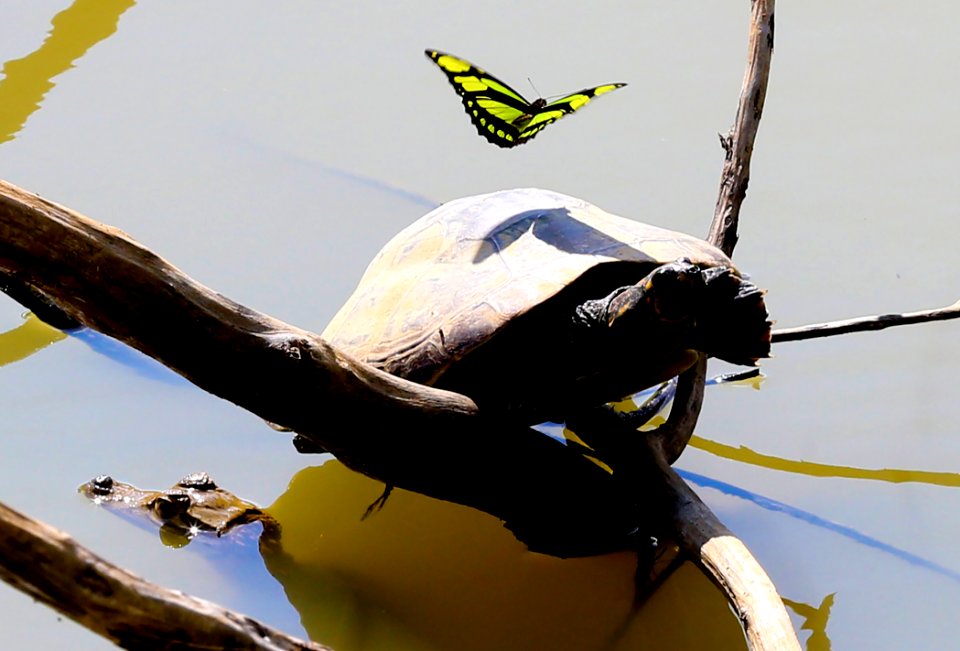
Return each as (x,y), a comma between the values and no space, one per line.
(501,114)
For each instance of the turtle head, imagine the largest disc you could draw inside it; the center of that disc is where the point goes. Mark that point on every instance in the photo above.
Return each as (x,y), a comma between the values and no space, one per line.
(675,291)
(712,310)
(670,295)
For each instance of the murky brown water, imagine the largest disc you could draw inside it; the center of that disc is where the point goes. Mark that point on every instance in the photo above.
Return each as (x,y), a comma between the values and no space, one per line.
(270,149)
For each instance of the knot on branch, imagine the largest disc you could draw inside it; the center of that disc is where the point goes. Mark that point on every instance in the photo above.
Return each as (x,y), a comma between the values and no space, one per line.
(726,141)
(293,346)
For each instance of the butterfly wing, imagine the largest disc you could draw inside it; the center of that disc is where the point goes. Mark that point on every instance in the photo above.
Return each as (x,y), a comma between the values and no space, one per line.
(548,113)
(497,111)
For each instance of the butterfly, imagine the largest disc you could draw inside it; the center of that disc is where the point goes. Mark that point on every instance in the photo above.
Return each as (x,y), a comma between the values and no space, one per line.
(501,114)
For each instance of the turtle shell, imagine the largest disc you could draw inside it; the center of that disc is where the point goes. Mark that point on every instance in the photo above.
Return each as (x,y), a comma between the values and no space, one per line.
(451,281)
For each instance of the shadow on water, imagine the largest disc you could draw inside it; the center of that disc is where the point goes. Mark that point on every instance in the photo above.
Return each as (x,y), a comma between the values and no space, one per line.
(75,30)
(818,521)
(427,574)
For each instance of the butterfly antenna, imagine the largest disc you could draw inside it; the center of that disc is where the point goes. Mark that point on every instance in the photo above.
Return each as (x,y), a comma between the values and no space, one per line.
(530,81)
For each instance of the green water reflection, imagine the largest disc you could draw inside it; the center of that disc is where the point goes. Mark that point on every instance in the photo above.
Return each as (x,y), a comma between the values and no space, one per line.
(26,81)
(426,574)
(744,454)
(32,336)
(814,620)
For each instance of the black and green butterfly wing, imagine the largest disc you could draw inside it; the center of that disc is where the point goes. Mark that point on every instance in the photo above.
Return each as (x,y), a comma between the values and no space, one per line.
(501,114)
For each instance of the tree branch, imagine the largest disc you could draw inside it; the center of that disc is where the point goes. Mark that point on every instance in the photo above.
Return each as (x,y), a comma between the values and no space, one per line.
(118,605)
(864,323)
(738,144)
(402,433)
(723,557)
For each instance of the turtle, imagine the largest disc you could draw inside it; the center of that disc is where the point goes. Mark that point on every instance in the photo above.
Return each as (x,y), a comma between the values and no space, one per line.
(537,305)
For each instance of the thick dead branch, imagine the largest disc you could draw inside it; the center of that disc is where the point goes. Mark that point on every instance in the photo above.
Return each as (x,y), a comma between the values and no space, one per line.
(403,433)
(117,605)
(672,437)
(864,323)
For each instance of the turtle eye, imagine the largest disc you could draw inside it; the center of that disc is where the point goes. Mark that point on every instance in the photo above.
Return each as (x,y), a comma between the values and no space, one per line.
(102,485)
(198,481)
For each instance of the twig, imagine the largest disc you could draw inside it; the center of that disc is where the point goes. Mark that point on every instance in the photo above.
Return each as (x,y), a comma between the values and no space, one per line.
(117,605)
(864,323)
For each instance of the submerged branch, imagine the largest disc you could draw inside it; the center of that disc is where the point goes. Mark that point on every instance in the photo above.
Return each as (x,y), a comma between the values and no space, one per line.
(118,605)
(864,323)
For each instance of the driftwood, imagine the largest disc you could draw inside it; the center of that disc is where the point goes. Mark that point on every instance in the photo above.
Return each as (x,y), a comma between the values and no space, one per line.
(102,279)
(135,614)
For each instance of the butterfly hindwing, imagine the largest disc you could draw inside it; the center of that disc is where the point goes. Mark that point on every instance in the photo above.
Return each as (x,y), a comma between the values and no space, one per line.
(501,114)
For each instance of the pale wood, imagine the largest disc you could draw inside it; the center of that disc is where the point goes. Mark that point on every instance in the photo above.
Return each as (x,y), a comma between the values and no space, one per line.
(729,564)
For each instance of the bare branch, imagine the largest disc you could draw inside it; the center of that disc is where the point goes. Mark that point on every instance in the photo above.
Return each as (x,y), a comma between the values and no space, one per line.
(738,150)
(117,605)
(864,323)
(738,145)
